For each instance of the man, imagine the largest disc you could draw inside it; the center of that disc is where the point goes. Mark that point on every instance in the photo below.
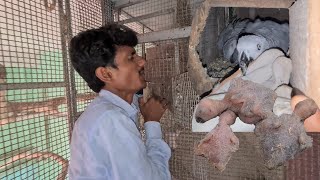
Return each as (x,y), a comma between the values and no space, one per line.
(106,143)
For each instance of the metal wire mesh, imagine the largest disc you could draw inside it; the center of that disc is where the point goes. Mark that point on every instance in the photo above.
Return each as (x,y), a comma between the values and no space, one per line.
(161,62)
(246,163)
(307,164)
(166,70)
(34,127)
(85,15)
(184,101)
(158,15)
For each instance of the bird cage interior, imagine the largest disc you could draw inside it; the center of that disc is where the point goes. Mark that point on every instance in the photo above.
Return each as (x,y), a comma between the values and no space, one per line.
(41,95)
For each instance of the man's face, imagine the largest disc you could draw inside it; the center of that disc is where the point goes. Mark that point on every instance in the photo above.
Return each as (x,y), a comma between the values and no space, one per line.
(129,77)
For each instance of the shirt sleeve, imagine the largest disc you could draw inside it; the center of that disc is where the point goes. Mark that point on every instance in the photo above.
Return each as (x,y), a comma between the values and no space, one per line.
(128,156)
(158,150)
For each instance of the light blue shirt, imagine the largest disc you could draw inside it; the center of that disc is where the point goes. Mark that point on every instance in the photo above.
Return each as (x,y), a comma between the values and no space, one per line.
(106,143)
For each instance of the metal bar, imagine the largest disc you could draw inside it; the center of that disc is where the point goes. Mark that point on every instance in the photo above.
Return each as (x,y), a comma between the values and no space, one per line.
(16,152)
(143,46)
(147,16)
(103,12)
(118,15)
(13,86)
(119,4)
(165,35)
(176,57)
(66,34)
(250,3)
(79,114)
(47,132)
(107,11)
(29,116)
(127,14)
(196,2)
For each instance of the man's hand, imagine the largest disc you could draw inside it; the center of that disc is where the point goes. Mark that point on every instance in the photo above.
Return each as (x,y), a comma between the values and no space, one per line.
(153,109)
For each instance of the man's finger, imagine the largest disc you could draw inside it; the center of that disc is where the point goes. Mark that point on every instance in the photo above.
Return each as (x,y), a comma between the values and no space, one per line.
(141,101)
(155,96)
(164,103)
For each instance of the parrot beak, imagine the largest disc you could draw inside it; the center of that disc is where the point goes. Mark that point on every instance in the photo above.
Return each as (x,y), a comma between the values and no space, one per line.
(243,63)
(235,56)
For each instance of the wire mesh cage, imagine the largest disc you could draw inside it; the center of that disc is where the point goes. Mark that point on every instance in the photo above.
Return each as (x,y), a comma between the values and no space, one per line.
(41,96)
(34,141)
(247,163)
(38,84)
(85,15)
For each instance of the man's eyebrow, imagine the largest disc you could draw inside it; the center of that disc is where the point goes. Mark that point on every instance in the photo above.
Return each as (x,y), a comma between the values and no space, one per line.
(133,52)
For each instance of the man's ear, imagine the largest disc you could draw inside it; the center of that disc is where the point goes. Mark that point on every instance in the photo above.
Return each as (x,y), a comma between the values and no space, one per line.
(104,74)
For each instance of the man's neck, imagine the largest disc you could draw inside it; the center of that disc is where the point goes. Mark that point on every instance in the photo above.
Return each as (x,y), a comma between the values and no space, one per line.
(127,96)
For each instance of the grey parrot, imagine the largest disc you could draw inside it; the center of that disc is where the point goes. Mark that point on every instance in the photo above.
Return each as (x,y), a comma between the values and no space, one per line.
(255,38)
(228,38)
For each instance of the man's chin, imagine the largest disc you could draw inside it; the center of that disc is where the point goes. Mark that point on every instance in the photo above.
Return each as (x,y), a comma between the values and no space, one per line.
(144,85)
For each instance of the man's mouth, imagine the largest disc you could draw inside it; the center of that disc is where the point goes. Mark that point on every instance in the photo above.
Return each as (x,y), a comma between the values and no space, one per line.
(141,72)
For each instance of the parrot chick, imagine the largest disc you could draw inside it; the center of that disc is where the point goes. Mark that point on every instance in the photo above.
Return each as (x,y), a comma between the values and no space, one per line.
(282,137)
(219,144)
(250,101)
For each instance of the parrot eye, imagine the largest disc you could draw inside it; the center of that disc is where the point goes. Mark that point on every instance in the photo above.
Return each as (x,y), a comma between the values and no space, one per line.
(259,46)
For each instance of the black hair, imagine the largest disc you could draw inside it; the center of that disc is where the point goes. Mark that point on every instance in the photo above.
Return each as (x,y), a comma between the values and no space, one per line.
(95,48)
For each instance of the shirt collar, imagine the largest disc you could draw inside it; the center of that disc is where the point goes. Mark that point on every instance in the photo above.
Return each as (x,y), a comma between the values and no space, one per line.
(130,109)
